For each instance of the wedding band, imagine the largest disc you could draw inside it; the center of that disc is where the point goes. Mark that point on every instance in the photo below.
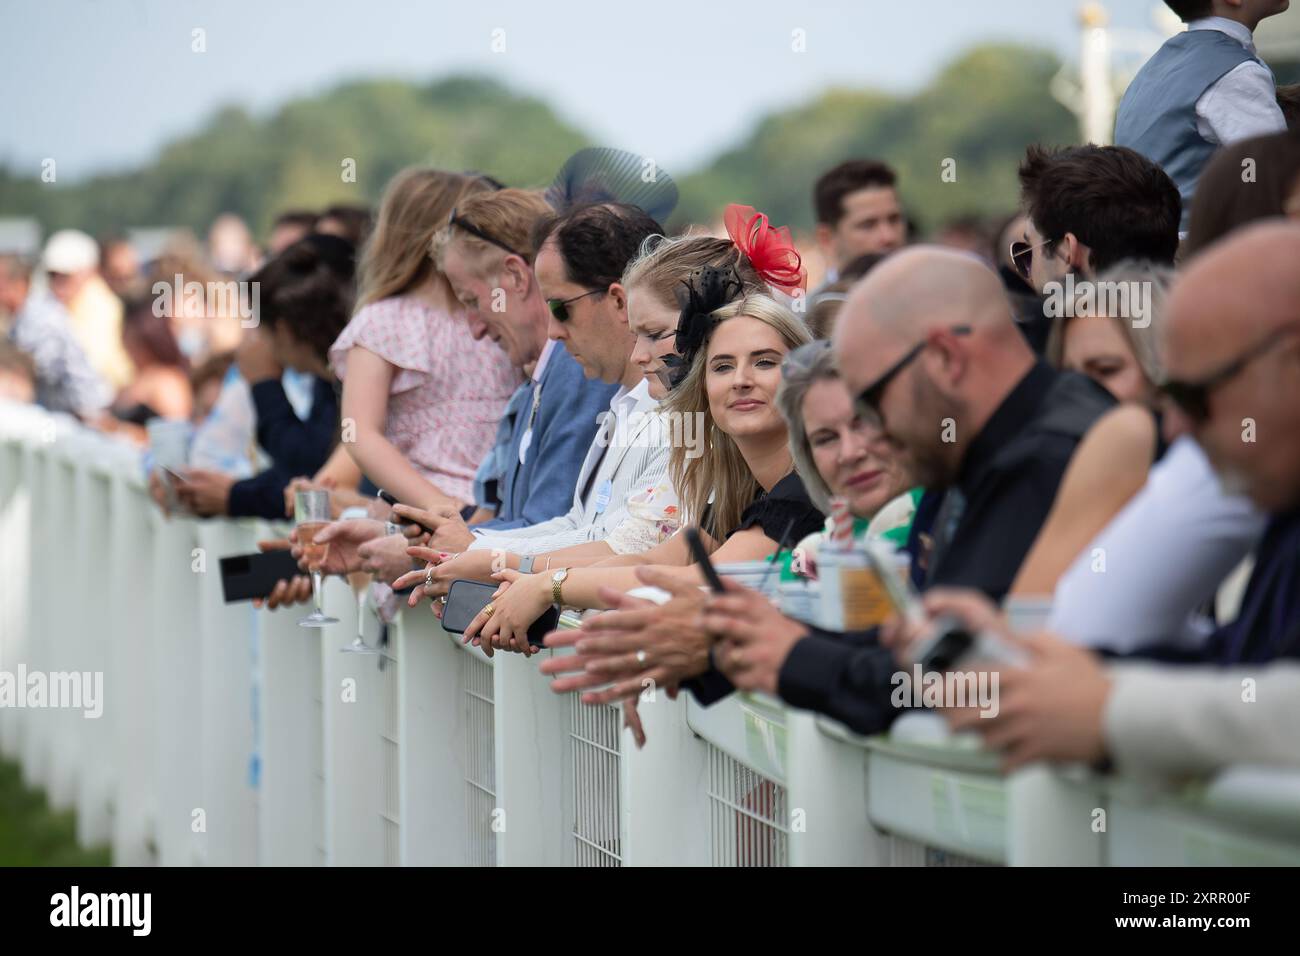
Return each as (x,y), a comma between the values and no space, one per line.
(488,610)
(442,599)
(428,577)
(640,657)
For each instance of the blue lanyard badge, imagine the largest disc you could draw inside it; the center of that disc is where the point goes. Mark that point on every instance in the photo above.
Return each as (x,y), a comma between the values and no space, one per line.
(603,492)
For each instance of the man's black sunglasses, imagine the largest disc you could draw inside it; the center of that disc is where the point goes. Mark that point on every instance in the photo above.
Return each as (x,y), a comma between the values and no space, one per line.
(869,397)
(474,230)
(1193,398)
(560,307)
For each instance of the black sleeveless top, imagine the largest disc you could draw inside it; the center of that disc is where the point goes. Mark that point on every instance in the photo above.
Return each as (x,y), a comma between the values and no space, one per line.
(784,512)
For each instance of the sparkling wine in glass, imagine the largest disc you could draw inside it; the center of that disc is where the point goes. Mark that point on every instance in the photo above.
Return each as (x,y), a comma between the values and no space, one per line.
(359,581)
(311,510)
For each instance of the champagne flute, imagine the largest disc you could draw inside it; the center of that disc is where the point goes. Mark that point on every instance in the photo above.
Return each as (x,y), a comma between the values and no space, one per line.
(360,584)
(311,512)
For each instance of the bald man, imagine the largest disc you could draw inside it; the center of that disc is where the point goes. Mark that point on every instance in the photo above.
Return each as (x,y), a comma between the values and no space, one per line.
(927,343)
(1232,350)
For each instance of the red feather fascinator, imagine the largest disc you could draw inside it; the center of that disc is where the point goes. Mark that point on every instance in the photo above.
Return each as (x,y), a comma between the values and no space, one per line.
(769,249)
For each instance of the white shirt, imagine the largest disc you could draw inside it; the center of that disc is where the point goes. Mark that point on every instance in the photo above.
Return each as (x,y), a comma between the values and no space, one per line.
(1164,554)
(628,455)
(1243,102)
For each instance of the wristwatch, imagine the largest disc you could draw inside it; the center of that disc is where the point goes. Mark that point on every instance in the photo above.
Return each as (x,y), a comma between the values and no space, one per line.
(557,585)
(526,563)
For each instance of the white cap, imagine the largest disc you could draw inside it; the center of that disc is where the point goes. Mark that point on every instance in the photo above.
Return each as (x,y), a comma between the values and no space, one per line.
(69,251)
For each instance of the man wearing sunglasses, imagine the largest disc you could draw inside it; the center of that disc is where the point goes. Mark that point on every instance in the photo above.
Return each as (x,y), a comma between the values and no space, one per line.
(581,257)
(927,344)
(1232,348)
(1090,207)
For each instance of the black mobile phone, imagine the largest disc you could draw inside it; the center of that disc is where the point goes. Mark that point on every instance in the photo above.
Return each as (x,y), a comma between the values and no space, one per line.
(392,500)
(465,598)
(248,576)
(701,557)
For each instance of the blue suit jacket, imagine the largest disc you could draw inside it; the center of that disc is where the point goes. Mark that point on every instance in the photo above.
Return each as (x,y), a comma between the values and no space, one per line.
(542,487)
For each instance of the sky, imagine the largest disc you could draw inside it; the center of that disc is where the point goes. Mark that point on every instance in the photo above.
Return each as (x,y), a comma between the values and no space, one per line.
(100,85)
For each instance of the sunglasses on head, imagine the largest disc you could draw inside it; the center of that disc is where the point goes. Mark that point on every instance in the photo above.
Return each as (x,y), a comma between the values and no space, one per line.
(560,307)
(474,230)
(1193,398)
(868,402)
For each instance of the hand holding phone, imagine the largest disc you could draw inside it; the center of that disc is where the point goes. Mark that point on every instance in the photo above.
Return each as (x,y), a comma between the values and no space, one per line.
(701,557)
(391,499)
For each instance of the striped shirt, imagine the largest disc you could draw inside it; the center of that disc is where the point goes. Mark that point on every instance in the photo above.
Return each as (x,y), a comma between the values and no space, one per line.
(628,456)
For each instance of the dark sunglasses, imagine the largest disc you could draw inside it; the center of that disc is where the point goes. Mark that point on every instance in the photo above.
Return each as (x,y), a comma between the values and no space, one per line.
(1022,255)
(869,398)
(560,307)
(474,230)
(1193,398)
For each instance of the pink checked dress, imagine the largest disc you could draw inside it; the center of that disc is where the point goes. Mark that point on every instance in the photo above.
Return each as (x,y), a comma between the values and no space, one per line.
(449,391)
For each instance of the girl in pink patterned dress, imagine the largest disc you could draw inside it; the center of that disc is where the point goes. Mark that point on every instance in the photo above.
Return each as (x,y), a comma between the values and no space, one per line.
(421,394)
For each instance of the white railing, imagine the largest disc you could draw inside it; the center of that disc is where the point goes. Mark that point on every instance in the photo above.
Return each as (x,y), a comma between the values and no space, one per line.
(231,736)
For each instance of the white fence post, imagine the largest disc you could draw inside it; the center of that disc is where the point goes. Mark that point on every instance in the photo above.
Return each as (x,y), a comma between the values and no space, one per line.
(129,698)
(352,698)
(226,646)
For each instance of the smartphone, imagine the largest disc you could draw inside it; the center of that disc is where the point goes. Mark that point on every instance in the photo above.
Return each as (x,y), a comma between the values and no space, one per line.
(248,576)
(466,598)
(392,500)
(701,557)
(174,475)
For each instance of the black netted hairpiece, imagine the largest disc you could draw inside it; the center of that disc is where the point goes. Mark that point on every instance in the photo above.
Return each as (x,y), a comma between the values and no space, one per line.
(708,289)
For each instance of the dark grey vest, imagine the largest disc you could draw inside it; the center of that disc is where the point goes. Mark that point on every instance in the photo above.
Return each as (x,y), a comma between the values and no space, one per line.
(1157,116)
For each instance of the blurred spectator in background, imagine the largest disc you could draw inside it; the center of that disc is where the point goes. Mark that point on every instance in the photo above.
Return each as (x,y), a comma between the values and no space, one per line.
(161,387)
(1226,198)
(39,326)
(1288,100)
(120,267)
(17,375)
(349,222)
(968,232)
(288,228)
(858,211)
(71,261)
(205,383)
(824,305)
(306,299)
(230,245)
(204,308)
(1205,87)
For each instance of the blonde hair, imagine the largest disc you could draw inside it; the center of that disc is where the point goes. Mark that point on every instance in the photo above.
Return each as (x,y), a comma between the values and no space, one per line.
(1144,341)
(416,204)
(664,266)
(507,215)
(721,471)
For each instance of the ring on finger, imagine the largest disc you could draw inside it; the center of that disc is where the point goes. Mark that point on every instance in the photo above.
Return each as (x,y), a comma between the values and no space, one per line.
(641,657)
